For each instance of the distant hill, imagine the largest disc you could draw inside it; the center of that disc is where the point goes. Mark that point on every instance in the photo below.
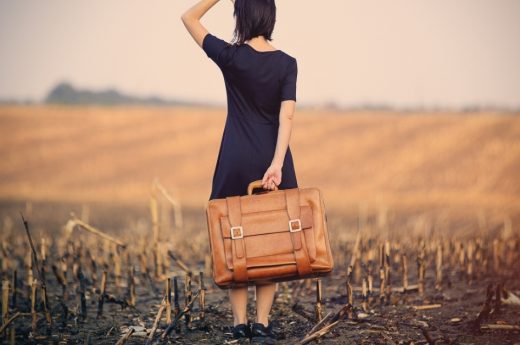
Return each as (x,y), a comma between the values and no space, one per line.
(14,101)
(65,93)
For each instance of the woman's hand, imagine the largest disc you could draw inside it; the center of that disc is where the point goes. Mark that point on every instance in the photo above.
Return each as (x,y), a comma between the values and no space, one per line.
(272,177)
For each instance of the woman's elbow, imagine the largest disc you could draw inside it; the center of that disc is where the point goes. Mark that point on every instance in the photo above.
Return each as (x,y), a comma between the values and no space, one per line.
(189,20)
(186,16)
(287,115)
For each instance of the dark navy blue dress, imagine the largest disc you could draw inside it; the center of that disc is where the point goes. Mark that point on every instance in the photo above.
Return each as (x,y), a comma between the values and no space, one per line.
(256,84)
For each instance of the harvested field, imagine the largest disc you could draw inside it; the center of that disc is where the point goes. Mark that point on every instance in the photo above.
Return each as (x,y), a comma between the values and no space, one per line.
(423,212)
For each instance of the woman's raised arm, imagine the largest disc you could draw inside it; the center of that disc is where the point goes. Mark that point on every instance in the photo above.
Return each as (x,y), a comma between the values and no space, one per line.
(191,19)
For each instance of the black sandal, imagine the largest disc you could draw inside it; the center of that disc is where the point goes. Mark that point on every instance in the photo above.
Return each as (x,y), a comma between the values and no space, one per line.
(259,330)
(241,331)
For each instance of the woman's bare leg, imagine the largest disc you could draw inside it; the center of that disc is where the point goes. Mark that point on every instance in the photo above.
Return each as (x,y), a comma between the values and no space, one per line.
(264,301)
(238,299)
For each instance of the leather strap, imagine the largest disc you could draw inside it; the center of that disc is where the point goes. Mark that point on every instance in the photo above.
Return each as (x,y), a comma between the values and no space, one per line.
(238,247)
(292,199)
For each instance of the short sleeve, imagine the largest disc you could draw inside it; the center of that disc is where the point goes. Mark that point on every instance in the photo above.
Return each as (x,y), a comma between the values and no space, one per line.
(215,48)
(289,82)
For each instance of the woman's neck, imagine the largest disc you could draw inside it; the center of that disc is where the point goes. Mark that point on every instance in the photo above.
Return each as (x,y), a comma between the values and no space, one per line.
(261,43)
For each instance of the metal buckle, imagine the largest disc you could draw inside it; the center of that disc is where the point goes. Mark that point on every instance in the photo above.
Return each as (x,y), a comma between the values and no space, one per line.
(233,232)
(299,228)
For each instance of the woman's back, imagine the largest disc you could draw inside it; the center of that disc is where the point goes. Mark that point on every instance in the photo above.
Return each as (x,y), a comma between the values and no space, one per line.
(256,84)
(256,81)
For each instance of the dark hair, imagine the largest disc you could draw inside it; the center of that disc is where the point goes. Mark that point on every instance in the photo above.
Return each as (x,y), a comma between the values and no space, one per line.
(253,18)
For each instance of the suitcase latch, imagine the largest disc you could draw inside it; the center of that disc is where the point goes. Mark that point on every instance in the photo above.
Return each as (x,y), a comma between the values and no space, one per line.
(297,221)
(240,234)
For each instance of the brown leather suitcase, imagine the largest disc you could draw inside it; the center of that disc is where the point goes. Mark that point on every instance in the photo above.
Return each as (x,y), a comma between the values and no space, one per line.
(271,236)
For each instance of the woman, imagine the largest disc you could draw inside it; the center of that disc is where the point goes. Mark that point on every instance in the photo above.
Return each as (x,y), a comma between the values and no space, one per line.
(260,83)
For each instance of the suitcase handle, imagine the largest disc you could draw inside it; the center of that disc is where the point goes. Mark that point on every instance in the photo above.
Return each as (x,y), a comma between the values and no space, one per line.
(256,184)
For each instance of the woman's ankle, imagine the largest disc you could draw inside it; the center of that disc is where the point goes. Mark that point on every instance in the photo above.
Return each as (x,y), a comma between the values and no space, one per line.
(239,322)
(263,321)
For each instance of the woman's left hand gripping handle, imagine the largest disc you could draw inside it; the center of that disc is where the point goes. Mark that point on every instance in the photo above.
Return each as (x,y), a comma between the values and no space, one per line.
(272,177)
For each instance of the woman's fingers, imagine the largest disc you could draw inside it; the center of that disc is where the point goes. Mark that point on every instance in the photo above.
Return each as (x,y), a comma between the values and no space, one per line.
(265,179)
(268,184)
(271,179)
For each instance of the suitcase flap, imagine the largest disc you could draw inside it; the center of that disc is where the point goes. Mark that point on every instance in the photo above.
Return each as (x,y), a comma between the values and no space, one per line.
(266,222)
(267,237)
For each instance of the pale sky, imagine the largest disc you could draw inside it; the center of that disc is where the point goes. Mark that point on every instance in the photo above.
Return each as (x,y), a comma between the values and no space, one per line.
(401,53)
